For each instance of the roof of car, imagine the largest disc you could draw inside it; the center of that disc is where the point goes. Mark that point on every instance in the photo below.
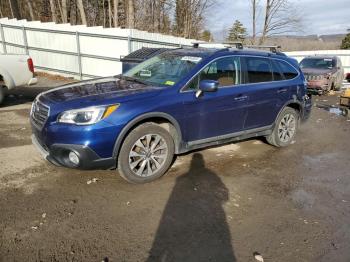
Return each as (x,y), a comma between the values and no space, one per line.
(205,52)
(321,56)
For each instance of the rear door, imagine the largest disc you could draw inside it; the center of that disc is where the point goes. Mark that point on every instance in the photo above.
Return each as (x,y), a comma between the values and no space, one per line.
(217,113)
(266,96)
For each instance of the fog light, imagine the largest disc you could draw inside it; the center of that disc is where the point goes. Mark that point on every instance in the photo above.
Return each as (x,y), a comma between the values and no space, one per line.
(73,157)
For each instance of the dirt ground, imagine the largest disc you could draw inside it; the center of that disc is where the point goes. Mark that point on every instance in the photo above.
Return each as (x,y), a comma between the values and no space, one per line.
(218,204)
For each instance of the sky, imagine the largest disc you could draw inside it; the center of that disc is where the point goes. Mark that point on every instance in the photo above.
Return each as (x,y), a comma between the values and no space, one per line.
(320,17)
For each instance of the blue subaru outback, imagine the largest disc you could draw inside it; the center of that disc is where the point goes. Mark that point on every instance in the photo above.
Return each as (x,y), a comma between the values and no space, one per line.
(172,103)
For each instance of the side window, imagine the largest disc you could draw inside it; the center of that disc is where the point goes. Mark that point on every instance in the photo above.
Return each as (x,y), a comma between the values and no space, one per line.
(289,72)
(258,69)
(276,71)
(227,71)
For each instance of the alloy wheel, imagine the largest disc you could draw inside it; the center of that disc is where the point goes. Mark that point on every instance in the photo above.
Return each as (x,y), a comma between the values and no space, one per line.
(287,128)
(148,155)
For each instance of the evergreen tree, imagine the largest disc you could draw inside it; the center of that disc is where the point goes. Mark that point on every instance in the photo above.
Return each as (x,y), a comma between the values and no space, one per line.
(237,32)
(206,36)
(346,42)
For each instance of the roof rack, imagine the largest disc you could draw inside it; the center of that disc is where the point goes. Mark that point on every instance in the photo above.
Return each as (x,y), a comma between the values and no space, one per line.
(238,45)
(273,48)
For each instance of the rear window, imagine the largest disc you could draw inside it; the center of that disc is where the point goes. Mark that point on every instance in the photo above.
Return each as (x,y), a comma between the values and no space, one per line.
(288,71)
(258,69)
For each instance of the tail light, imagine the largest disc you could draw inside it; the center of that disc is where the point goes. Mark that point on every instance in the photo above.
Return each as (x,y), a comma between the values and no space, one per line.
(30,65)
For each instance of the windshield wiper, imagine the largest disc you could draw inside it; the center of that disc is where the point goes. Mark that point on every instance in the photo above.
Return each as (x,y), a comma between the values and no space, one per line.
(134,79)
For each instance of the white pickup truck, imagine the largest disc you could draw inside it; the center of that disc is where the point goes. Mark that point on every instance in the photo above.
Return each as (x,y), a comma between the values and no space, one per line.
(15,70)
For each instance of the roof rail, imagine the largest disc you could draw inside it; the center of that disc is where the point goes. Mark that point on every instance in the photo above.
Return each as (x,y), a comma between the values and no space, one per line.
(238,45)
(273,48)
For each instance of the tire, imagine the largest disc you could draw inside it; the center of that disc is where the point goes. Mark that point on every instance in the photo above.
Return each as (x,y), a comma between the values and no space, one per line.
(279,137)
(337,87)
(2,94)
(146,154)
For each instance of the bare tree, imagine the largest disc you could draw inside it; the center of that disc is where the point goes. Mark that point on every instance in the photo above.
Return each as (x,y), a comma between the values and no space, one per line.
(81,11)
(189,17)
(116,8)
(64,11)
(53,11)
(30,9)
(254,5)
(109,13)
(14,9)
(280,17)
(131,14)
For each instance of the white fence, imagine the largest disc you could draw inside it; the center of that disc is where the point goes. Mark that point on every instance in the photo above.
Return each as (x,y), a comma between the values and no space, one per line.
(79,51)
(344,56)
(85,52)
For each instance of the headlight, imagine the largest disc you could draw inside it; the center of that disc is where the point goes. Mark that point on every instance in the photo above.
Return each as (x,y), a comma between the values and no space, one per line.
(328,75)
(86,116)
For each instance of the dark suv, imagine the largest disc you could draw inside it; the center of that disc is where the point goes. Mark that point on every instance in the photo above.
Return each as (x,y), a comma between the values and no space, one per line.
(172,103)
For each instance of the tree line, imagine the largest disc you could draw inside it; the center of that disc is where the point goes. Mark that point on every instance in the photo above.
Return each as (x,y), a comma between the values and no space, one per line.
(183,18)
(279,17)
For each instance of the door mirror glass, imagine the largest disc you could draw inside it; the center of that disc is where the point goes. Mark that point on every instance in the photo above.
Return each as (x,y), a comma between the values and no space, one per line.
(208,85)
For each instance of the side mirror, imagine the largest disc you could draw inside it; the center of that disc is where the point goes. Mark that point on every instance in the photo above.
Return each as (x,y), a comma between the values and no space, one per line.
(208,85)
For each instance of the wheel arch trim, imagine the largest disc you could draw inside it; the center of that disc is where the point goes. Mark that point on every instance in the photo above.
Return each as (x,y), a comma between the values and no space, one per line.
(288,104)
(139,119)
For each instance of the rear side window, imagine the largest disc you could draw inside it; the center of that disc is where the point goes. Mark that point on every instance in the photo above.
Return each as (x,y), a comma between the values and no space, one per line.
(289,71)
(276,71)
(258,69)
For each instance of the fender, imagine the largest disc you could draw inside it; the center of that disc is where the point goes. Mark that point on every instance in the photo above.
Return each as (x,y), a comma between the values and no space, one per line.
(289,102)
(139,119)
(9,83)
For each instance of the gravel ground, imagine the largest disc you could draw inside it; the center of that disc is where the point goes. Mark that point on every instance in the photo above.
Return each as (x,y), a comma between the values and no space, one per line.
(218,204)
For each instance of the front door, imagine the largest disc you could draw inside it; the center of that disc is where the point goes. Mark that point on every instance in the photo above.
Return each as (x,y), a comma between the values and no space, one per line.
(217,113)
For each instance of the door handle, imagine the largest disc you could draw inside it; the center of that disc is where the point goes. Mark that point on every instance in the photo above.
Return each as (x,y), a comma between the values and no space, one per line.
(282,90)
(241,98)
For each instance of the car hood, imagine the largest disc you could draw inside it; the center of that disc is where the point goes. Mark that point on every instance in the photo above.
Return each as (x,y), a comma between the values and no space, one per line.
(313,71)
(101,90)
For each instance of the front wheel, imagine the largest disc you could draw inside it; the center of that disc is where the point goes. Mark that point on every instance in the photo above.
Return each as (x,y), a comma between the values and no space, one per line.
(146,154)
(285,128)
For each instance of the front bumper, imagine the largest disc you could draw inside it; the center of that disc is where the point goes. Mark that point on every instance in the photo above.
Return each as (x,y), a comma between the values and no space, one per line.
(57,154)
(317,86)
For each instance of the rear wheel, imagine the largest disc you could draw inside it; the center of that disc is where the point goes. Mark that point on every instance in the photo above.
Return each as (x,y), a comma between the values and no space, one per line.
(146,154)
(285,128)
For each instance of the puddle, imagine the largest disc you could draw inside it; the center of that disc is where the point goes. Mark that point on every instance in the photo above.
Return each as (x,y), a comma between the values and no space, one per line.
(334,110)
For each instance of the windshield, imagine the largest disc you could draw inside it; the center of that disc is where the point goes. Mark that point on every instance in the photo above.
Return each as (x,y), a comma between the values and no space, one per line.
(318,63)
(164,69)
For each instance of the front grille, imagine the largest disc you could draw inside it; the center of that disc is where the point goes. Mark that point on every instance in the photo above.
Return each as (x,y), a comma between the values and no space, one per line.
(313,77)
(39,114)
